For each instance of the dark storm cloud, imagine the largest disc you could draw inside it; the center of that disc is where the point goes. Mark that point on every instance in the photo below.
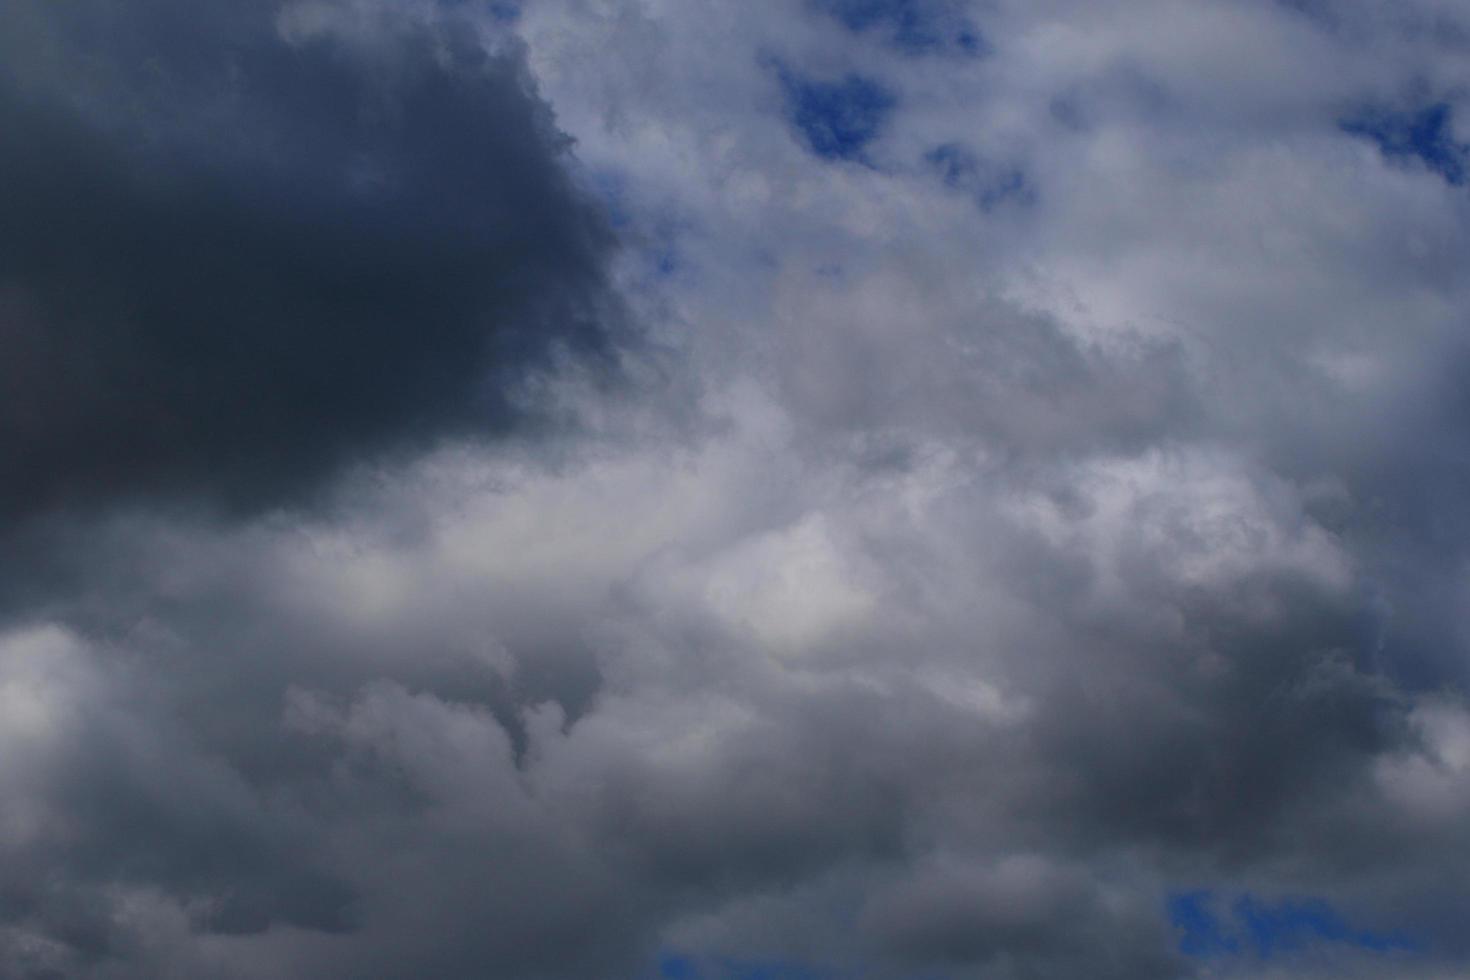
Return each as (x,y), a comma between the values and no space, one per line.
(1227,764)
(239,250)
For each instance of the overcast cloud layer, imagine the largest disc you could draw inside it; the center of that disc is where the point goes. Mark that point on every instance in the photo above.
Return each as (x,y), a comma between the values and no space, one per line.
(677,490)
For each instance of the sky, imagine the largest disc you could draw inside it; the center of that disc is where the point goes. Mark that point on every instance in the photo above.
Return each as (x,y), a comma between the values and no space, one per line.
(778,490)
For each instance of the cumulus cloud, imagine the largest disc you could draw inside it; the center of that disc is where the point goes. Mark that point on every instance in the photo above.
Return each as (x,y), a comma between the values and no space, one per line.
(1032,546)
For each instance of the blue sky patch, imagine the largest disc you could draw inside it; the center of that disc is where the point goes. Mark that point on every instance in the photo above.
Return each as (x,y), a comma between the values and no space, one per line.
(501,11)
(988,184)
(652,238)
(1250,926)
(675,966)
(837,120)
(1424,135)
(912,26)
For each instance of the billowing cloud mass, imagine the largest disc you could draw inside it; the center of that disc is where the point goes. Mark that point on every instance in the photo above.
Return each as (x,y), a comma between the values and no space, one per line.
(672,490)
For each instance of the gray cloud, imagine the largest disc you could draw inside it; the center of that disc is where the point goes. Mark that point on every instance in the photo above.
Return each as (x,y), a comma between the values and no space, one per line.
(967,580)
(246,244)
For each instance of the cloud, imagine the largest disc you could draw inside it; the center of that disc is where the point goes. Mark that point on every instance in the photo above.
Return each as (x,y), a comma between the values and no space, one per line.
(247,245)
(99,759)
(1038,508)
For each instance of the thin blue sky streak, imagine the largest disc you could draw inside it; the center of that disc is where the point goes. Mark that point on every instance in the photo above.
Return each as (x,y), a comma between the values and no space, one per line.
(914,27)
(1267,931)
